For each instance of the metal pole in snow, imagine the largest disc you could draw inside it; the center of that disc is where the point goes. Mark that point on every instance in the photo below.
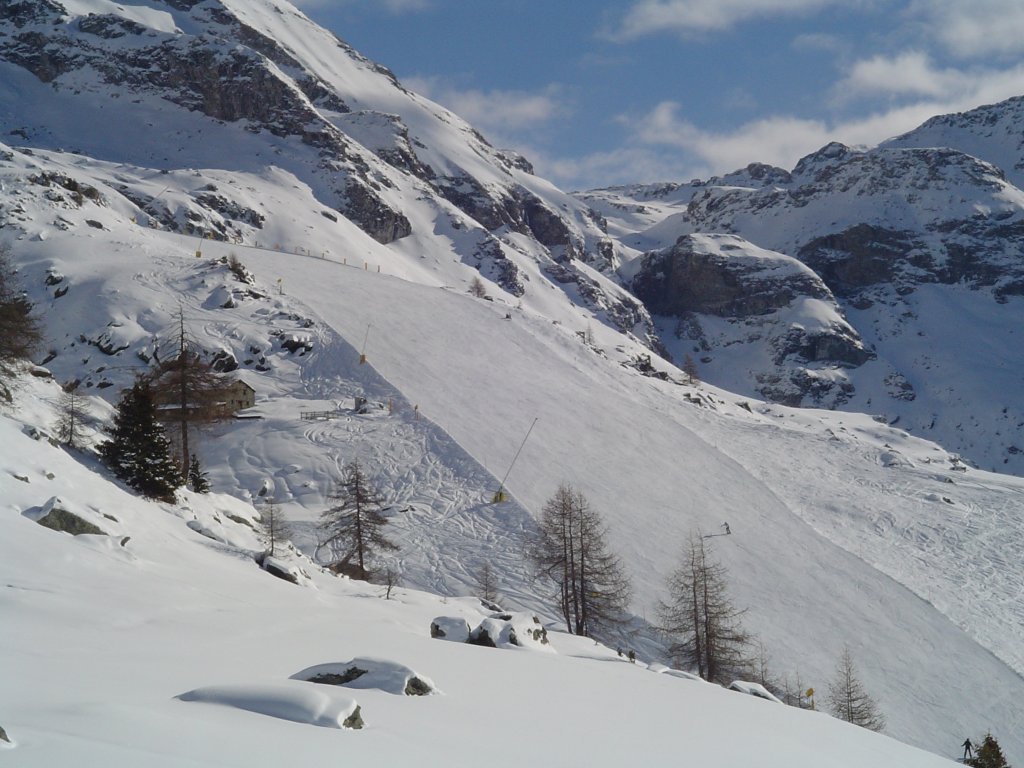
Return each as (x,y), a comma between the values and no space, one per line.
(500,495)
(362,353)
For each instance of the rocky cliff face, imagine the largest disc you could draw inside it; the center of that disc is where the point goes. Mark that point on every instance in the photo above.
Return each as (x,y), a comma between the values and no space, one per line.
(716,294)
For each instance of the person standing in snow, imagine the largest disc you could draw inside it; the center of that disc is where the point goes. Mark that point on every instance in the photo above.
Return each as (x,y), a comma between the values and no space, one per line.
(968,747)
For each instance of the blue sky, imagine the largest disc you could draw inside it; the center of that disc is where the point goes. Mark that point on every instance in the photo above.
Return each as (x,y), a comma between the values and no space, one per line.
(596,92)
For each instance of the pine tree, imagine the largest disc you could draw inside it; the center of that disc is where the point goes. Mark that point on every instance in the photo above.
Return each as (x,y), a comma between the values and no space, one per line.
(139,451)
(570,548)
(988,755)
(699,618)
(477,287)
(197,479)
(353,528)
(848,700)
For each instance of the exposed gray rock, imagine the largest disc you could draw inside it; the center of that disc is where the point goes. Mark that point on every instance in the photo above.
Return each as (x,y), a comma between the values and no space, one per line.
(689,277)
(492,262)
(375,217)
(762,295)
(547,226)
(861,256)
(329,678)
(60,519)
(355,720)
(274,567)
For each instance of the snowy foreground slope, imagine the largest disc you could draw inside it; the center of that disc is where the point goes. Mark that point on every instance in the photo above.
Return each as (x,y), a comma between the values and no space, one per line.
(110,653)
(844,531)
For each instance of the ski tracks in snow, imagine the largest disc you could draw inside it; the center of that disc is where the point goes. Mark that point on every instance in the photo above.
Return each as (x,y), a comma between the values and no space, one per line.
(951,537)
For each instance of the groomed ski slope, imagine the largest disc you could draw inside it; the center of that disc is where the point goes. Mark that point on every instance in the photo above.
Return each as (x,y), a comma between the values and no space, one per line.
(172,649)
(828,511)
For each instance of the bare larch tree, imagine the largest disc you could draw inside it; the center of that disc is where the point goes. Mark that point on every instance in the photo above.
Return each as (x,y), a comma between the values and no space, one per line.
(699,618)
(353,528)
(847,698)
(571,549)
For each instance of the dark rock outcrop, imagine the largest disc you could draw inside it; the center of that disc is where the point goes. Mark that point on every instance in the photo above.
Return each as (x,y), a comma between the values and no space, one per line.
(375,217)
(689,278)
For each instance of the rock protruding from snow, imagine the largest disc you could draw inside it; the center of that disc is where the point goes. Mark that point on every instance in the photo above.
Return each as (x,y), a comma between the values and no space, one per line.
(368,673)
(57,515)
(278,568)
(511,630)
(722,275)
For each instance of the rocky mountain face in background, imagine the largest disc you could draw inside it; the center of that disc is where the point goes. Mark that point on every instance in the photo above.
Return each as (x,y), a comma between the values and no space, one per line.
(757,296)
(919,241)
(993,133)
(243,87)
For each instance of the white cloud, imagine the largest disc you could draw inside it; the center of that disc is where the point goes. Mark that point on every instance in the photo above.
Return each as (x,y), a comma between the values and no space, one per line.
(647,17)
(496,111)
(978,28)
(910,72)
(625,165)
(663,145)
(779,140)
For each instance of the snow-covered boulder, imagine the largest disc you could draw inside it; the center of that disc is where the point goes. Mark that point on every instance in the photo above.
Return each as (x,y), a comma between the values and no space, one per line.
(508,630)
(322,708)
(281,570)
(367,673)
(754,689)
(453,628)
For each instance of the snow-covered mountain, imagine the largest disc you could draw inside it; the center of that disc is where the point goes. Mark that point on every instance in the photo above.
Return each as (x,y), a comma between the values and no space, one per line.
(920,246)
(162,90)
(992,133)
(361,213)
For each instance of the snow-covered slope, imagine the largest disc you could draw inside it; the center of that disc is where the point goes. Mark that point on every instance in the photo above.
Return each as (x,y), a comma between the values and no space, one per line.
(840,526)
(362,213)
(158,646)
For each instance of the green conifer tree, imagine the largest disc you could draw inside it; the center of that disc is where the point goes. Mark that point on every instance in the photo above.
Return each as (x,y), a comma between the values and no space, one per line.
(988,755)
(197,479)
(139,451)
